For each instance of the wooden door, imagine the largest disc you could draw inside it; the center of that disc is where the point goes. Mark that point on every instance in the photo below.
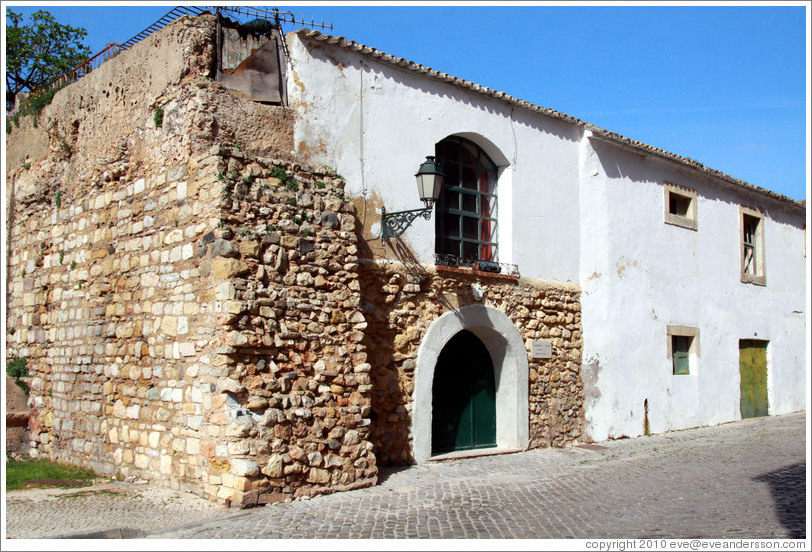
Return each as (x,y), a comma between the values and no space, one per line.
(463,396)
(753,372)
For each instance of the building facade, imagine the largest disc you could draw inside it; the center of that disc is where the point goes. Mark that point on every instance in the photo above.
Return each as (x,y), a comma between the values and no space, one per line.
(204,301)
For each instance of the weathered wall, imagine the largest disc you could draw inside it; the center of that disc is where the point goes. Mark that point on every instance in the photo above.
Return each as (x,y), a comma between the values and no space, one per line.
(111,306)
(103,127)
(296,395)
(400,301)
(200,327)
(640,274)
(163,338)
(348,102)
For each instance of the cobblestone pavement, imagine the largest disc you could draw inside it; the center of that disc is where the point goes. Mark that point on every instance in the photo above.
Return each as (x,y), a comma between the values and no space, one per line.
(740,480)
(105,510)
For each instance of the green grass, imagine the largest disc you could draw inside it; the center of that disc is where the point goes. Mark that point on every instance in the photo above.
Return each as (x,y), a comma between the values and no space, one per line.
(44,473)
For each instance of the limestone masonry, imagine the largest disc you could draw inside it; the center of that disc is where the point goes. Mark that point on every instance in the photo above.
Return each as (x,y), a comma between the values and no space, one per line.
(199,308)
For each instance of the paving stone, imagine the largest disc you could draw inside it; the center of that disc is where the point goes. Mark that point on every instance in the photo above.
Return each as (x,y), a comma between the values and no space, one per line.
(739,480)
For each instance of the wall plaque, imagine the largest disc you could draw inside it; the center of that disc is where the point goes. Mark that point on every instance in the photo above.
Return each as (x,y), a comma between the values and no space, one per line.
(541,349)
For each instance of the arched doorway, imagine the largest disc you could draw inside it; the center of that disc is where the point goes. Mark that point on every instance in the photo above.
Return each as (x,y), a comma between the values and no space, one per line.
(463,396)
(506,350)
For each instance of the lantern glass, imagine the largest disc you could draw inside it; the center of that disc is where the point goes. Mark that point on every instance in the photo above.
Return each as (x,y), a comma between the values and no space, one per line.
(429,181)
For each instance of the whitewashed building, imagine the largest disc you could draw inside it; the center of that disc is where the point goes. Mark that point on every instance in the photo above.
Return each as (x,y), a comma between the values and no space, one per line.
(683,270)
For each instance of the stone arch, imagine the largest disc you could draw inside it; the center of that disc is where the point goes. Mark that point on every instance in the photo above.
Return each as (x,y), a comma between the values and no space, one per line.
(487,146)
(511,372)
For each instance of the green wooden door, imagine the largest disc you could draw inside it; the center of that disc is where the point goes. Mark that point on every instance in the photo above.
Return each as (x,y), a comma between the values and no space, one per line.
(753,371)
(463,396)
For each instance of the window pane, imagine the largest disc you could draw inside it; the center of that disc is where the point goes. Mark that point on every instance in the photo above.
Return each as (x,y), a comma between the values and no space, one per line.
(749,259)
(468,178)
(468,153)
(488,206)
(452,200)
(451,225)
(469,203)
(452,172)
(470,250)
(680,353)
(470,228)
(678,205)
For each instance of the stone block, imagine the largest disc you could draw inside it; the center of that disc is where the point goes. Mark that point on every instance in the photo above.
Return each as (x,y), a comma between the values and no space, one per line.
(225,267)
(241,467)
(192,445)
(318,476)
(141,461)
(274,466)
(166,464)
(249,248)
(169,325)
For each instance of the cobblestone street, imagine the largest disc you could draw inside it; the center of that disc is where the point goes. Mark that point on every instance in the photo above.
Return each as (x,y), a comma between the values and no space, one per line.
(740,480)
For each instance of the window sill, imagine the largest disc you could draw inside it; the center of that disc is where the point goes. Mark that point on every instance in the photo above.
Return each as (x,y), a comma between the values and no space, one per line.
(473,272)
(755,280)
(683,222)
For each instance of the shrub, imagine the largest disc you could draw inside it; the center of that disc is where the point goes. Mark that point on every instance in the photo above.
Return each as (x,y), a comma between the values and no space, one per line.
(158,117)
(16,367)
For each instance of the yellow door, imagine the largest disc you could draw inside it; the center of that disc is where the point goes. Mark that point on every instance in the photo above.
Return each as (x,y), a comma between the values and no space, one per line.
(753,372)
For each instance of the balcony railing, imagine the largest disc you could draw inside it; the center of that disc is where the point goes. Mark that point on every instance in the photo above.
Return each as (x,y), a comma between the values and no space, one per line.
(453,261)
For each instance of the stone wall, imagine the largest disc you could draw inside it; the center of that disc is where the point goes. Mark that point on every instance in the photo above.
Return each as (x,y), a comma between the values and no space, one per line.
(297,393)
(185,294)
(199,326)
(191,301)
(109,303)
(401,299)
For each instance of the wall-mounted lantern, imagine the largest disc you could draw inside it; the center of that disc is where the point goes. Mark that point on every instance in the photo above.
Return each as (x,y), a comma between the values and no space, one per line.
(429,183)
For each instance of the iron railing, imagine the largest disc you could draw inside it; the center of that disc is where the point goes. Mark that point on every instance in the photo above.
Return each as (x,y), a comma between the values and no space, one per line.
(453,261)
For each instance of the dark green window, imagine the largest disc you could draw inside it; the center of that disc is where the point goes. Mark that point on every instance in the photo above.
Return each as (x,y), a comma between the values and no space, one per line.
(680,354)
(465,224)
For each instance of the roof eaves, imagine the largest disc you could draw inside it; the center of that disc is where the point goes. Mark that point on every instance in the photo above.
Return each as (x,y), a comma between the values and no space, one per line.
(428,71)
(695,165)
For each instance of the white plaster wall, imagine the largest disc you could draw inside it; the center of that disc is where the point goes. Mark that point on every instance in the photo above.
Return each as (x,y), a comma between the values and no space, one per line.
(375,123)
(639,274)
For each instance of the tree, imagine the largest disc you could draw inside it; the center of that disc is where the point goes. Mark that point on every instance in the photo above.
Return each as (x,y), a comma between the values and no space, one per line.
(39,52)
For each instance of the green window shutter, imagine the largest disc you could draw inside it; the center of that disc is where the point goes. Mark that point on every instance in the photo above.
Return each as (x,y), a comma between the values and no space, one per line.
(680,351)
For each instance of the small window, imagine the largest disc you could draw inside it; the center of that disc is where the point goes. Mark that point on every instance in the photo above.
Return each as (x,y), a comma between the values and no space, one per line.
(680,354)
(751,231)
(680,206)
(683,349)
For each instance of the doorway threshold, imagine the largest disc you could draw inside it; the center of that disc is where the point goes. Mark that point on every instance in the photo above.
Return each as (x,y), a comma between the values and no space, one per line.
(475,453)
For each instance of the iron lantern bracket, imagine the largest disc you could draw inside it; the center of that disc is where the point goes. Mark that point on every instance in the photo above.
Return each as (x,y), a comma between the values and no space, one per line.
(394,224)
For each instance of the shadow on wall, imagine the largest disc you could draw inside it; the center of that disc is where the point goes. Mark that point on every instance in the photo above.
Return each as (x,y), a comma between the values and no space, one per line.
(620,164)
(397,311)
(788,487)
(390,394)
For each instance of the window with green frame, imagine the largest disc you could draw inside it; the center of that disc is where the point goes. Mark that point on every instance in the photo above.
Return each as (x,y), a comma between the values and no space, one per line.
(681,354)
(466,211)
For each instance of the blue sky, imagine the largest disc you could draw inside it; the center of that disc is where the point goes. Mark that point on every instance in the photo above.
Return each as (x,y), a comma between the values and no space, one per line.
(723,85)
